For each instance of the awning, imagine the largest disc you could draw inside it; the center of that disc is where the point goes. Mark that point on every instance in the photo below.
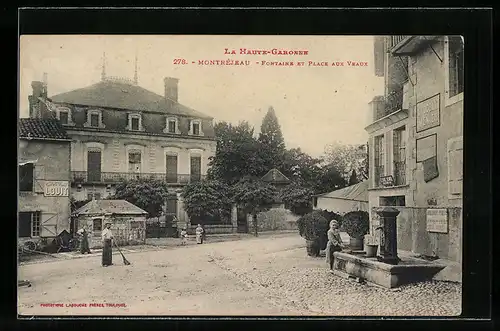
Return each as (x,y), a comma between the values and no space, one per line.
(21,163)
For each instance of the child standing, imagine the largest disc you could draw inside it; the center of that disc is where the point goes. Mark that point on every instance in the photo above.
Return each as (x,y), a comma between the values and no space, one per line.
(184,237)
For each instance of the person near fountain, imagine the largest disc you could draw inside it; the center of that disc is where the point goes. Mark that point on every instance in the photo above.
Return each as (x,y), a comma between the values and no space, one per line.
(84,245)
(334,243)
(199,234)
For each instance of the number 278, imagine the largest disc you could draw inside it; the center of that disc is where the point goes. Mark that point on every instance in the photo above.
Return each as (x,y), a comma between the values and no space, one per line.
(180,61)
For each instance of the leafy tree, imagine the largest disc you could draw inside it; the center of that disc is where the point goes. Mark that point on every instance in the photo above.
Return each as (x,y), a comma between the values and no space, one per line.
(329,179)
(272,144)
(207,200)
(254,196)
(354,178)
(297,198)
(148,194)
(237,155)
(300,167)
(346,158)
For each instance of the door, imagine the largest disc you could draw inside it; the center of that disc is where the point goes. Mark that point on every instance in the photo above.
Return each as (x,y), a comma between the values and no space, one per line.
(171,168)
(48,224)
(195,168)
(94,166)
(242,225)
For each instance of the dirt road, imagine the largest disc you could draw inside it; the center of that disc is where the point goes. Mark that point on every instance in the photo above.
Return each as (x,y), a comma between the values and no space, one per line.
(271,275)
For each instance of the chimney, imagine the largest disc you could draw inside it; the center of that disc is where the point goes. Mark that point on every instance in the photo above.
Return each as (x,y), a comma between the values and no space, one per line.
(38,89)
(376,109)
(379,55)
(45,83)
(171,88)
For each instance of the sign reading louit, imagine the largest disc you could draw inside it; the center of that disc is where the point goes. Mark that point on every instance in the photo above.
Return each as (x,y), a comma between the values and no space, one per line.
(56,188)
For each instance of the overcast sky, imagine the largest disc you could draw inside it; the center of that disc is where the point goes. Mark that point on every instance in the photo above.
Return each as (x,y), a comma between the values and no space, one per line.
(315,105)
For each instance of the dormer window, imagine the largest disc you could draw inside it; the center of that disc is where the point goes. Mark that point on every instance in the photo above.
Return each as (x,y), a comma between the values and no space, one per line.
(195,128)
(134,122)
(94,119)
(172,125)
(63,114)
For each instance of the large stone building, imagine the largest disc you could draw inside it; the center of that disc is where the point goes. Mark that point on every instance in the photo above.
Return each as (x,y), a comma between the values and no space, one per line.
(416,141)
(120,130)
(44,179)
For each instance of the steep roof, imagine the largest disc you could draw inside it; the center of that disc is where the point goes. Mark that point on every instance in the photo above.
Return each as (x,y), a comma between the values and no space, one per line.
(39,128)
(121,207)
(120,95)
(356,192)
(275,176)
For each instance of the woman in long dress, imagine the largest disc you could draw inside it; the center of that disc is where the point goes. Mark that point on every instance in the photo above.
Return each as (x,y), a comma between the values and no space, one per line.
(107,249)
(199,234)
(334,242)
(84,245)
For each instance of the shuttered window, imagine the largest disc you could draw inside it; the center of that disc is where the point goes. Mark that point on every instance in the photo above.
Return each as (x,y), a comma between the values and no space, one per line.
(455,167)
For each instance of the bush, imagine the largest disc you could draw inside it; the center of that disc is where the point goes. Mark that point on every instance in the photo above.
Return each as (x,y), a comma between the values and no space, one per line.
(356,223)
(330,215)
(314,227)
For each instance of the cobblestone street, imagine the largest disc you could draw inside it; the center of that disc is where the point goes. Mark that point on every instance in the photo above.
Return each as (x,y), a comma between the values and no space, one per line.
(269,275)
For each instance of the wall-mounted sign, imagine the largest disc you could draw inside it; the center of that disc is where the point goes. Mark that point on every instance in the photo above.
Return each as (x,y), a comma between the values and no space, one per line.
(387,180)
(56,188)
(437,220)
(426,147)
(428,113)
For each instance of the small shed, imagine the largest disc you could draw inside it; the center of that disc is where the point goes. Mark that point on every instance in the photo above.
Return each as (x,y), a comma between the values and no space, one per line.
(128,222)
(344,200)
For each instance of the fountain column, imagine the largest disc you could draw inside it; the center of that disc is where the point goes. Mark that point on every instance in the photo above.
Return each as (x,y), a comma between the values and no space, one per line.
(388,235)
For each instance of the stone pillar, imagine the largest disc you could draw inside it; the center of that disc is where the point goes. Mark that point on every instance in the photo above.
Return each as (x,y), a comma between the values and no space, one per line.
(388,235)
(234,219)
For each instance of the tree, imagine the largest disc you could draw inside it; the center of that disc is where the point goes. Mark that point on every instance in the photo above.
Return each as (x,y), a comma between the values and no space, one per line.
(297,198)
(238,153)
(346,158)
(353,179)
(254,196)
(272,144)
(300,167)
(147,194)
(207,199)
(329,179)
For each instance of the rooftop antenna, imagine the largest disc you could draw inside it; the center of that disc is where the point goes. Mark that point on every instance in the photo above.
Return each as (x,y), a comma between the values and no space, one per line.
(103,73)
(136,81)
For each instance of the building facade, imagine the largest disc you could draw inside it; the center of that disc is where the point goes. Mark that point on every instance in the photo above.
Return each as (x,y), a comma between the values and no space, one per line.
(120,131)
(416,141)
(44,179)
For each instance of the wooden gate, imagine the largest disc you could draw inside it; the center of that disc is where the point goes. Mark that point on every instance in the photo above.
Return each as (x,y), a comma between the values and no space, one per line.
(242,223)
(48,225)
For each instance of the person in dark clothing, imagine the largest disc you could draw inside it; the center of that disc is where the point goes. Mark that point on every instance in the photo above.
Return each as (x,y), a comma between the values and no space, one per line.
(107,249)
(84,243)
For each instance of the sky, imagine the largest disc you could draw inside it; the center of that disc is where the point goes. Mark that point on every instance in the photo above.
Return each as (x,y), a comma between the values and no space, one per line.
(315,105)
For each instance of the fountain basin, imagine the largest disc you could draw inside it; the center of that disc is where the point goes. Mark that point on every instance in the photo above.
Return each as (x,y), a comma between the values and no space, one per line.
(408,270)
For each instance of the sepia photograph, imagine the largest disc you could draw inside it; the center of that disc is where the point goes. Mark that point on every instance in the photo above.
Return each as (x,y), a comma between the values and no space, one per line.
(240,175)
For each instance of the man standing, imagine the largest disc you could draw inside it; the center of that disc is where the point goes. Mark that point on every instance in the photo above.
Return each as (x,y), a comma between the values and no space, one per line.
(107,249)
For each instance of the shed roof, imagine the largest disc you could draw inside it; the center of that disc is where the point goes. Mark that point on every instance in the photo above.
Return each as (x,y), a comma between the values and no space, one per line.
(121,207)
(275,176)
(119,95)
(356,192)
(41,128)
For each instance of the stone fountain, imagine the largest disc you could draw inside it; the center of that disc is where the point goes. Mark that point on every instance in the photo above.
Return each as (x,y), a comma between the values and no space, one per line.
(387,269)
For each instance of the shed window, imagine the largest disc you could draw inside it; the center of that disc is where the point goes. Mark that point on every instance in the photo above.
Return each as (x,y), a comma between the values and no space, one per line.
(63,117)
(94,120)
(97,224)
(29,224)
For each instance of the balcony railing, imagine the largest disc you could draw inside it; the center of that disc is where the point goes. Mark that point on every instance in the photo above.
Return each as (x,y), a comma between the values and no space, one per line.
(392,103)
(396,40)
(117,177)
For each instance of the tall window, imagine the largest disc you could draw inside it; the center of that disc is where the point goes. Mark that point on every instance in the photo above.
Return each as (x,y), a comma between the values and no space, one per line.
(195,168)
(171,126)
(29,224)
(171,170)
(196,129)
(135,123)
(379,159)
(456,65)
(26,177)
(97,224)
(134,161)
(399,151)
(63,117)
(94,165)
(94,120)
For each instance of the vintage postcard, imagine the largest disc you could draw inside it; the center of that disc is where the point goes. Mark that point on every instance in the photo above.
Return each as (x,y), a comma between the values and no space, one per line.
(185,175)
